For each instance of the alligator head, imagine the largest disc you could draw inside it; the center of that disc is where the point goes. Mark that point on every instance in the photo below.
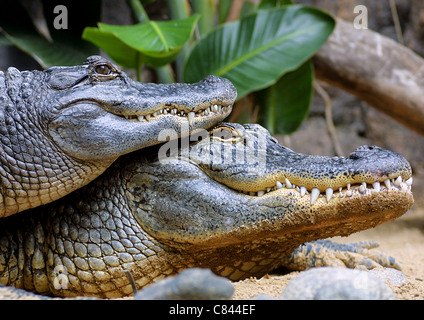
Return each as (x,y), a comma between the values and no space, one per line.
(238,202)
(233,201)
(62,127)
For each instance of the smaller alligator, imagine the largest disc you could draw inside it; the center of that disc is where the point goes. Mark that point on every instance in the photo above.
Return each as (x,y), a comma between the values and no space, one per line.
(235,201)
(62,127)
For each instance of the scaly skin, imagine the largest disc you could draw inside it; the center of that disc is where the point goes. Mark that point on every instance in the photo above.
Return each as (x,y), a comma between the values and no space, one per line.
(156,217)
(61,128)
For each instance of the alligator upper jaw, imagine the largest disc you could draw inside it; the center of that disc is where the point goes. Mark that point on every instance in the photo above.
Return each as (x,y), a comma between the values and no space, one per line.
(331,193)
(254,164)
(209,112)
(123,97)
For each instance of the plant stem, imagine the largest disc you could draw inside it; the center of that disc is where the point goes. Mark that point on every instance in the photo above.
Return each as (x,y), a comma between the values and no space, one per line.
(165,74)
(138,11)
(180,9)
(139,67)
(270,118)
(207,11)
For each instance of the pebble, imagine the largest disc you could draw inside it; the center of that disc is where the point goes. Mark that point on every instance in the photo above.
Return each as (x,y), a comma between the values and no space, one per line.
(190,284)
(328,283)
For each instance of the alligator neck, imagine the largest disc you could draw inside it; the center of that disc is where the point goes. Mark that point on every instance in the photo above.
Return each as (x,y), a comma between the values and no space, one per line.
(23,259)
(33,170)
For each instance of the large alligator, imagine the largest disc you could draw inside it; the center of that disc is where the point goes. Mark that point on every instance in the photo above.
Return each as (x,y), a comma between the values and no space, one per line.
(62,127)
(234,201)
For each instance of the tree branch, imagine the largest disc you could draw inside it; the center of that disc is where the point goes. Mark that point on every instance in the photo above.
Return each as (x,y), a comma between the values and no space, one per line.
(377,70)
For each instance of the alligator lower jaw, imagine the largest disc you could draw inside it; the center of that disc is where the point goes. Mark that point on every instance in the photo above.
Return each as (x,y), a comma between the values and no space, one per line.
(330,193)
(175,111)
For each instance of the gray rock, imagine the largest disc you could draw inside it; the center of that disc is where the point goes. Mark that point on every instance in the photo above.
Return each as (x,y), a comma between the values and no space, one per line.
(190,284)
(390,276)
(329,283)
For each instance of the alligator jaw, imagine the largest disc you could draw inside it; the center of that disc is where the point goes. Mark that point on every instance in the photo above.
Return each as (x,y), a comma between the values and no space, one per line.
(230,217)
(208,112)
(378,190)
(101,121)
(344,191)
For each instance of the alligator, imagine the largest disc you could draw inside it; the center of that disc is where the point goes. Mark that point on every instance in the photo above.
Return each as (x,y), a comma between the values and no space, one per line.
(62,127)
(231,199)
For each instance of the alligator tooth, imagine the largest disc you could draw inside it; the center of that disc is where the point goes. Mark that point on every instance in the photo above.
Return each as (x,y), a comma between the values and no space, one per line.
(279,185)
(148,117)
(174,111)
(214,108)
(387,183)
(288,184)
(314,195)
(363,187)
(261,193)
(165,111)
(190,117)
(329,193)
(349,193)
(156,113)
(140,118)
(348,186)
(268,189)
(398,181)
(302,191)
(409,182)
(376,186)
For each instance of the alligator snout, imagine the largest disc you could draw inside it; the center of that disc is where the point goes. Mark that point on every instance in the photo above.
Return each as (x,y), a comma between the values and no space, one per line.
(225,88)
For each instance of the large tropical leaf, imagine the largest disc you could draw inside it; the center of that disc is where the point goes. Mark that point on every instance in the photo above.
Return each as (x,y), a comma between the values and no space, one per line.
(285,104)
(156,42)
(51,46)
(256,51)
(60,52)
(121,53)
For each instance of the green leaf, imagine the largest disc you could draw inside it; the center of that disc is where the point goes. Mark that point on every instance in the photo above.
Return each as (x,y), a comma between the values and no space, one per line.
(265,4)
(121,53)
(157,42)
(207,11)
(60,52)
(223,10)
(286,104)
(63,46)
(256,51)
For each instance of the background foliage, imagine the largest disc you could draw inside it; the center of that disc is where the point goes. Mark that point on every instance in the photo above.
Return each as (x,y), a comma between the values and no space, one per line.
(264,49)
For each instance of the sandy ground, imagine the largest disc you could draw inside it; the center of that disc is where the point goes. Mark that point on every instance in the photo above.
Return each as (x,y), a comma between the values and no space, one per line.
(403,239)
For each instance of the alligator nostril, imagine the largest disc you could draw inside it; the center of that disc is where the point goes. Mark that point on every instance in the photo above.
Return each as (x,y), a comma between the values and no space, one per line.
(213,79)
(365,148)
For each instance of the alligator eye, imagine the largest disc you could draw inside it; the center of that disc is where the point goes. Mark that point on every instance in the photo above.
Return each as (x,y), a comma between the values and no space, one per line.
(103,69)
(226,134)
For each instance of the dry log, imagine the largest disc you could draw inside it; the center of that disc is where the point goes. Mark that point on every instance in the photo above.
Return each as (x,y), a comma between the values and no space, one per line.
(376,69)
